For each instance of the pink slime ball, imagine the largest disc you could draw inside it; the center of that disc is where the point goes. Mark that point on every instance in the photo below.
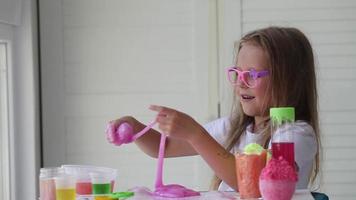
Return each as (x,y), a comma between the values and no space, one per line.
(119,135)
(125,133)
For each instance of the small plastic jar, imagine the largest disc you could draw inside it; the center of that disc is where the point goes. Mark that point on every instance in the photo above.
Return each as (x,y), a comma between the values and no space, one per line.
(47,183)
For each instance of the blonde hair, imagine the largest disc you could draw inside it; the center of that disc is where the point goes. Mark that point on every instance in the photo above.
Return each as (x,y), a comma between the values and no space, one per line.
(292,83)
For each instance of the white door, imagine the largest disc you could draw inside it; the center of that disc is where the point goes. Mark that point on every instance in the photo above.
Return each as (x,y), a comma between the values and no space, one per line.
(104,59)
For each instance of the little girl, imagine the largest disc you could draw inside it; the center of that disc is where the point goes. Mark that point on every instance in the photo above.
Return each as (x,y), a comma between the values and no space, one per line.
(274,68)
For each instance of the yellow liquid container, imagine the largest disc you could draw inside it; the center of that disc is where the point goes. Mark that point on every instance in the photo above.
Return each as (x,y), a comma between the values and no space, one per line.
(65,187)
(65,194)
(102,198)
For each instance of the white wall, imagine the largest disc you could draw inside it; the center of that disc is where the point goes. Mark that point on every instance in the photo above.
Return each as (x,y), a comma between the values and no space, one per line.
(103,60)
(10,12)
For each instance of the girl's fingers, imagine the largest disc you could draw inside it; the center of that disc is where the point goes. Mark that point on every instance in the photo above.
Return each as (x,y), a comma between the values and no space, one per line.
(166,118)
(161,115)
(160,119)
(161,109)
(163,127)
(115,123)
(156,108)
(121,120)
(163,119)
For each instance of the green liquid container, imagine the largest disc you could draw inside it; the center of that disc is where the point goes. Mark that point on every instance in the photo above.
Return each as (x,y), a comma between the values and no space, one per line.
(101,188)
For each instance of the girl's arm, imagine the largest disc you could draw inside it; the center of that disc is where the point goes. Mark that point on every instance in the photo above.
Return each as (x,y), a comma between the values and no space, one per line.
(218,158)
(182,127)
(149,142)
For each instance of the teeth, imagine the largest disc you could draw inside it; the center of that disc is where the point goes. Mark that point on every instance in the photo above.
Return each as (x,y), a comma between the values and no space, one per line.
(247,97)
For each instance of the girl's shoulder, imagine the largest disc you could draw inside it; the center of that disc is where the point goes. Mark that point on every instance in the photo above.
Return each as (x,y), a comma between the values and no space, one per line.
(304,128)
(223,121)
(218,129)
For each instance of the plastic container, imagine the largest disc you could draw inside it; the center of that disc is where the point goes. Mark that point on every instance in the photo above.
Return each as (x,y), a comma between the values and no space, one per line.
(278,180)
(102,197)
(47,183)
(101,182)
(248,170)
(82,174)
(277,189)
(83,183)
(279,177)
(65,187)
(283,129)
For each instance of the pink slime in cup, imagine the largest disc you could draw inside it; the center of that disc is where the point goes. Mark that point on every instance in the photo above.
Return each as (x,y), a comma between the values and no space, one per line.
(278,180)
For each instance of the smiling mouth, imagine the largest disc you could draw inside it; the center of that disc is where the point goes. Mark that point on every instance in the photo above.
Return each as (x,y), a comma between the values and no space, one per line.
(247,97)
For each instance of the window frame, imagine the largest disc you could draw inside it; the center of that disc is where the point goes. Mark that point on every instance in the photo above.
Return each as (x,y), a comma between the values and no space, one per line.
(5,122)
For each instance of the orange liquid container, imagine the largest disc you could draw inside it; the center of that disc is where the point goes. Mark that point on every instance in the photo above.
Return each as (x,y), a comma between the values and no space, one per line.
(248,170)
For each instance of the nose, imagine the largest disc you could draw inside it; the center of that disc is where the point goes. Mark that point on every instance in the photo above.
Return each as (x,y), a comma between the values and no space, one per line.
(240,82)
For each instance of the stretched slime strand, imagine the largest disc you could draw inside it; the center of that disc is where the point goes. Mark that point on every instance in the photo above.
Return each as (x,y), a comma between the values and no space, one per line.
(171,190)
(162,147)
(148,127)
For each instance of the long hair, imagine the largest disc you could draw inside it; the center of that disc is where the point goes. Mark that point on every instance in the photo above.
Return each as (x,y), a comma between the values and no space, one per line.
(292,83)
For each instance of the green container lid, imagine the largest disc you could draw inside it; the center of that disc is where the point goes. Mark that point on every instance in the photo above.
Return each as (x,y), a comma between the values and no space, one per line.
(281,114)
(121,195)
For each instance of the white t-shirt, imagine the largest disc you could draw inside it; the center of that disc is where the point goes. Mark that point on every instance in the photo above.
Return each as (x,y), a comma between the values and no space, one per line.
(305,146)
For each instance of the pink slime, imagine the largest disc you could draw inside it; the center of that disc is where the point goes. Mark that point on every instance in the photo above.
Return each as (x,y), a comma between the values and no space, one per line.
(124,135)
(172,190)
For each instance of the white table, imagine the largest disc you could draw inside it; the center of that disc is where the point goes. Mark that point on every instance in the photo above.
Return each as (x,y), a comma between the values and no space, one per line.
(215,195)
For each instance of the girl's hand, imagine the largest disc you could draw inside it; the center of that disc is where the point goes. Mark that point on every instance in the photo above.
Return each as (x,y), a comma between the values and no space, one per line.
(128,119)
(126,132)
(176,124)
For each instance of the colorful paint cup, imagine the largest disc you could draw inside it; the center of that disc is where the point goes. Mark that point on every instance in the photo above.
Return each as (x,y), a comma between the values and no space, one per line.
(65,187)
(101,183)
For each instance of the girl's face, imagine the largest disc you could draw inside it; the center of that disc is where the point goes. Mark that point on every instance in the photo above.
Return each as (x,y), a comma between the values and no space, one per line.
(255,100)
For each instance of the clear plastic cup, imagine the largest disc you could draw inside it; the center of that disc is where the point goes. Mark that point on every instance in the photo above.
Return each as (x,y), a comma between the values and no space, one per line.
(82,174)
(101,182)
(110,172)
(47,184)
(65,187)
(83,185)
(248,170)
